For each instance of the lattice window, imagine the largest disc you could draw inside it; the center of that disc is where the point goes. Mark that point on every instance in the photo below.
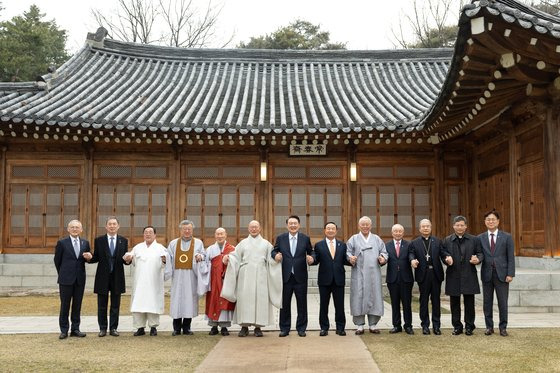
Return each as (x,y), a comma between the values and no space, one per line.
(147,172)
(203,172)
(115,171)
(229,206)
(315,205)
(238,172)
(39,213)
(325,172)
(135,206)
(387,205)
(64,171)
(416,171)
(373,172)
(289,172)
(28,171)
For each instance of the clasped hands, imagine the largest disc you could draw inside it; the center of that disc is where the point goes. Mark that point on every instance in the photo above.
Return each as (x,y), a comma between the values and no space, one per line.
(278,258)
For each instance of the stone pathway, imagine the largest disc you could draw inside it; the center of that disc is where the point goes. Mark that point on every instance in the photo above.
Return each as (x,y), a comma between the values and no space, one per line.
(293,353)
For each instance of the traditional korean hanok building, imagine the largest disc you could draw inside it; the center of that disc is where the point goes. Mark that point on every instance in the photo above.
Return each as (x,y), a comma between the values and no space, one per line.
(154,135)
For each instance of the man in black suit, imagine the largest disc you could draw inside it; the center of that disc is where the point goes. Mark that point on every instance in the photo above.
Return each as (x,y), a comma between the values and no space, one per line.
(498,270)
(399,280)
(70,265)
(426,255)
(109,250)
(330,254)
(461,277)
(294,250)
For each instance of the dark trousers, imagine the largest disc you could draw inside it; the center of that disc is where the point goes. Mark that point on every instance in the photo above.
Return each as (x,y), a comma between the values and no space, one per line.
(455,303)
(338,299)
(70,294)
(502,292)
(184,324)
(102,301)
(430,290)
(300,290)
(401,292)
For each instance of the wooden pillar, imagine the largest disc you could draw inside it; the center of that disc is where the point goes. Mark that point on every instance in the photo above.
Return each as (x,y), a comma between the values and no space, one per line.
(87,208)
(3,178)
(174,213)
(439,197)
(552,181)
(513,190)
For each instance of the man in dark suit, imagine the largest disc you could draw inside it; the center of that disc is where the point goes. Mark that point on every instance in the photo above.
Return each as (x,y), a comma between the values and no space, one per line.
(426,255)
(399,280)
(461,277)
(70,265)
(330,254)
(498,270)
(294,250)
(109,250)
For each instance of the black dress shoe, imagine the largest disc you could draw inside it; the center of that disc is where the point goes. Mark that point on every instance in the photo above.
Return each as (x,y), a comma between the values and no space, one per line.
(153,331)
(224,331)
(77,333)
(176,332)
(102,333)
(187,332)
(341,333)
(114,332)
(409,331)
(283,334)
(324,333)
(396,329)
(503,333)
(140,331)
(425,330)
(437,331)
(213,331)
(301,334)
(468,332)
(489,331)
(457,331)
(243,332)
(258,332)
(63,336)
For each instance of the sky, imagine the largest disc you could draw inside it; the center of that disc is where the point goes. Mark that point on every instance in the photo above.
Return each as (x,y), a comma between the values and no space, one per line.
(362,24)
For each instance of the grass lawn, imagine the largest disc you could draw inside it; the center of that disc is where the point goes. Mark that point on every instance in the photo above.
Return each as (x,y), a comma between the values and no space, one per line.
(525,350)
(49,305)
(45,353)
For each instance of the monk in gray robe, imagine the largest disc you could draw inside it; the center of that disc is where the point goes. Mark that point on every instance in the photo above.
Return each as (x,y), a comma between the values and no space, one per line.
(366,252)
(254,280)
(188,272)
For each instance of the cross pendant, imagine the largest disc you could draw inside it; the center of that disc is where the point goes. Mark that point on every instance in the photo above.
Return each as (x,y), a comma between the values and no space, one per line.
(427,256)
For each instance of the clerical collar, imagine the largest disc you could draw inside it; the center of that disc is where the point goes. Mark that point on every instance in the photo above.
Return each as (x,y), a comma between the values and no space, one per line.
(425,238)
(459,237)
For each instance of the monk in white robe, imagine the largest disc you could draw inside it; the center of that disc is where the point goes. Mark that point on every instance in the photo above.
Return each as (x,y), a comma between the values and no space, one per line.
(188,273)
(253,280)
(366,252)
(148,259)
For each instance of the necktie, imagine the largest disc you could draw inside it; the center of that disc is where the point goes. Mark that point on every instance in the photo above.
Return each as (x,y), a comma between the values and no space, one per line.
(398,248)
(492,243)
(331,247)
(112,246)
(293,245)
(76,247)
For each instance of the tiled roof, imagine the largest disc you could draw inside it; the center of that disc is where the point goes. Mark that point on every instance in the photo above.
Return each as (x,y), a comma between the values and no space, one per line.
(124,86)
(476,68)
